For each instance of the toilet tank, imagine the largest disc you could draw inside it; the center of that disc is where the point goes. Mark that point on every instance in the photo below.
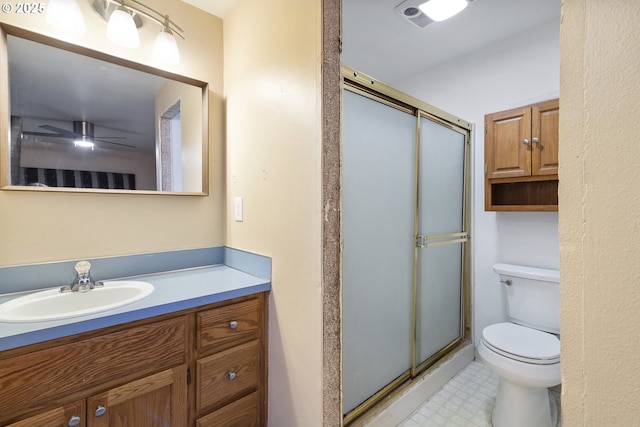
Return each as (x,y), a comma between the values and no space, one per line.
(533,296)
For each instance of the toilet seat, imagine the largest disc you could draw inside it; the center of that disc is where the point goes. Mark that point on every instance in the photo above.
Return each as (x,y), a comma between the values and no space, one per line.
(521,343)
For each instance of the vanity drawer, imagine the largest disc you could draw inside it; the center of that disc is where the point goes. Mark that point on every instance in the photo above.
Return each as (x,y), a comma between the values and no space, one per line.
(241,413)
(227,375)
(224,326)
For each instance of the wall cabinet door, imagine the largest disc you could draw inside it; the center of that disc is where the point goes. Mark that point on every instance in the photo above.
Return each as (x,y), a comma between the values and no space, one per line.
(156,400)
(506,153)
(544,138)
(523,141)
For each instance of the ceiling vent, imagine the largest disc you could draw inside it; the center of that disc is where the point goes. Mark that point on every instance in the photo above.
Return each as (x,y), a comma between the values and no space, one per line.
(409,10)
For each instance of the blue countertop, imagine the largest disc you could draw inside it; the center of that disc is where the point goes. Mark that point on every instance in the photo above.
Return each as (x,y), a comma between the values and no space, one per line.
(174,291)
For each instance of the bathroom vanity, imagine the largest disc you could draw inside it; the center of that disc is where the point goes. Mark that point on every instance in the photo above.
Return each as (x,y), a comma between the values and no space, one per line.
(125,374)
(199,359)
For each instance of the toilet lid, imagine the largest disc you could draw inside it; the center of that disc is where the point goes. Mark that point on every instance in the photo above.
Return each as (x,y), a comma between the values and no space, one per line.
(522,343)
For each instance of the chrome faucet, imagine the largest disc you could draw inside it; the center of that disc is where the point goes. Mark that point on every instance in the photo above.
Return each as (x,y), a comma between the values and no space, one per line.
(83,282)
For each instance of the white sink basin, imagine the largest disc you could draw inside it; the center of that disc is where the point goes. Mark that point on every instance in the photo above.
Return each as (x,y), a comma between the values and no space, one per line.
(54,305)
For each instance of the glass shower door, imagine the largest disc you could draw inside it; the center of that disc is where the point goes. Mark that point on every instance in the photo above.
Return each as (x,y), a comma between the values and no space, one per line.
(440,240)
(378,218)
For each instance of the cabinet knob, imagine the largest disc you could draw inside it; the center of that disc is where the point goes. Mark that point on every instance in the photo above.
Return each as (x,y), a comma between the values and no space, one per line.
(525,141)
(233,324)
(74,421)
(100,411)
(534,139)
(232,376)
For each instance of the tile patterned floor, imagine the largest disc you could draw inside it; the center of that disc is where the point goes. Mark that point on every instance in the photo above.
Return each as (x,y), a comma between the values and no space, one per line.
(465,401)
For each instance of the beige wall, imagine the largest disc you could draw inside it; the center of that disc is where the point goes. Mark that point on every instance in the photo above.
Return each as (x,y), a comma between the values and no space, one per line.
(272,93)
(39,227)
(600,212)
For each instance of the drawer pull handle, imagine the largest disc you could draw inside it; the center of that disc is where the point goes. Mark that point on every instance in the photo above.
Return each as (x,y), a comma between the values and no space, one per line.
(100,411)
(232,376)
(74,421)
(233,324)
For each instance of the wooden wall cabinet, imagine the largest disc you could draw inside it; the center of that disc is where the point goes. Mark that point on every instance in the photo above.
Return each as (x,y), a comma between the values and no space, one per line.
(200,367)
(521,158)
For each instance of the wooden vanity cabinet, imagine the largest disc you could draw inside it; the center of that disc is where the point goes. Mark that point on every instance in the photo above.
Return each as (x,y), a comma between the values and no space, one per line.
(203,366)
(521,158)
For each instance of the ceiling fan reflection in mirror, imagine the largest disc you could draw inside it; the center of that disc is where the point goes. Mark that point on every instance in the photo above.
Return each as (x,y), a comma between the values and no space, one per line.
(82,135)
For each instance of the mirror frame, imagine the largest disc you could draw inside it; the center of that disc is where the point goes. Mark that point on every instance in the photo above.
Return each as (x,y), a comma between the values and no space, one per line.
(6,29)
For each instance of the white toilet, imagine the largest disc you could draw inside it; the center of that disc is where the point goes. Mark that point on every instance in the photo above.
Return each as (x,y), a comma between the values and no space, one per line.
(525,353)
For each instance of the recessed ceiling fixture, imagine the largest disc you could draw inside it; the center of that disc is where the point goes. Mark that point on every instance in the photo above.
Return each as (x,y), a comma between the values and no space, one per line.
(439,10)
(421,13)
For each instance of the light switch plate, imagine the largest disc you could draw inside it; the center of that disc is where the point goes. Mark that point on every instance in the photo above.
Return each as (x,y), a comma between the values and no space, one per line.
(238,208)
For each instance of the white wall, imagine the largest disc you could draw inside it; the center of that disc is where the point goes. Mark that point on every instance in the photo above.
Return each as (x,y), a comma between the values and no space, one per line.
(514,72)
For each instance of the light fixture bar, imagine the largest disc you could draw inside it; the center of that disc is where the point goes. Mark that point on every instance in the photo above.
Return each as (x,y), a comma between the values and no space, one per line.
(165,18)
(104,7)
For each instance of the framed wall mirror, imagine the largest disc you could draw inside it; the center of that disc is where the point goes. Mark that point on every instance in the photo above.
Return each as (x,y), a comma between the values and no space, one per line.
(75,119)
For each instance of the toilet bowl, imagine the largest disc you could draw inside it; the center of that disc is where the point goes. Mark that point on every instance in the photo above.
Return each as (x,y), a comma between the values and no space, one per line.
(525,352)
(527,361)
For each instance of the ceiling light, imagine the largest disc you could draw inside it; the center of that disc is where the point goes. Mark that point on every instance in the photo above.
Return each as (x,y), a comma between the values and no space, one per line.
(121,29)
(439,10)
(65,15)
(84,142)
(84,130)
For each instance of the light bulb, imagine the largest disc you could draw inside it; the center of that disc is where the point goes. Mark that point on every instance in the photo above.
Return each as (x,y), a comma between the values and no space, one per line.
(122,30)
(165,48)
(84,143)
(439,10)
(65,15)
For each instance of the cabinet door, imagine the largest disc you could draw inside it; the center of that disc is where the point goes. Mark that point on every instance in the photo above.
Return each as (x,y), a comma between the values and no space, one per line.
(154,401)
(544,137)
(507,143)
(68,415)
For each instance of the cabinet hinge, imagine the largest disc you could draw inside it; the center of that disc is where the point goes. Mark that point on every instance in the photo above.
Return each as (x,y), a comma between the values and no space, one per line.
(188,376)
(485,128)
(486,169)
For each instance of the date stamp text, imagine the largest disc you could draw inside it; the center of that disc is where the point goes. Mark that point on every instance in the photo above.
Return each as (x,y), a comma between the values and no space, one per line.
(23,8)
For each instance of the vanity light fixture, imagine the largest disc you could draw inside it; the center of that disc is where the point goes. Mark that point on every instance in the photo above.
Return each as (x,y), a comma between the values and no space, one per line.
(439,10)
(124,17)
(65,15)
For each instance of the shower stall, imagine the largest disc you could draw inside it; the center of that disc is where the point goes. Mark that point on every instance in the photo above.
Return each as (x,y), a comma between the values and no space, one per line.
(405,225)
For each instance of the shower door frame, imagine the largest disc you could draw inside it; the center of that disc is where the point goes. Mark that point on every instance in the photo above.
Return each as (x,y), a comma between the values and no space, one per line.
(364,85)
